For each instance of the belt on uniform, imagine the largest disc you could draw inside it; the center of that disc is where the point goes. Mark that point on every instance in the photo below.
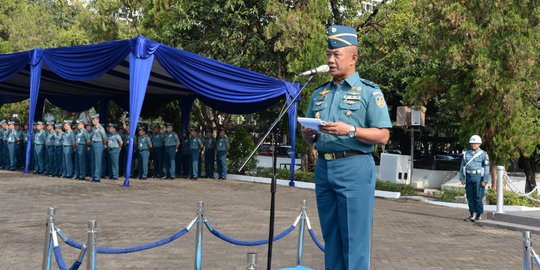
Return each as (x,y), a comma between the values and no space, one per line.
(473,171)
(338,155)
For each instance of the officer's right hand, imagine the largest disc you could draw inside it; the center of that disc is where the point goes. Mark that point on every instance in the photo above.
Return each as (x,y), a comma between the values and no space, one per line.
(309,135)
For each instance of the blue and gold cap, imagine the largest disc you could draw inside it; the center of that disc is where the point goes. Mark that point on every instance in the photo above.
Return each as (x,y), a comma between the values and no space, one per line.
(341,36)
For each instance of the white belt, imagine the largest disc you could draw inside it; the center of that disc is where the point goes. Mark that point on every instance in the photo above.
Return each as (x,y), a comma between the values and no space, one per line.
(474,171)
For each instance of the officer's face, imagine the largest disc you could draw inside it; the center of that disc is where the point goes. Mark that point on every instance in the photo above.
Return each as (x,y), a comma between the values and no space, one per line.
(475,146)
(342,61)
(95,121)
(169,129)
(80,126)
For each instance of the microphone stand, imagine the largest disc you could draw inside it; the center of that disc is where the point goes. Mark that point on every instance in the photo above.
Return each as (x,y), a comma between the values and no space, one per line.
(273,184)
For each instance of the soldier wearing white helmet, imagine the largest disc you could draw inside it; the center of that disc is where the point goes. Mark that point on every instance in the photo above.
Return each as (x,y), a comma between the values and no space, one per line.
(474,174)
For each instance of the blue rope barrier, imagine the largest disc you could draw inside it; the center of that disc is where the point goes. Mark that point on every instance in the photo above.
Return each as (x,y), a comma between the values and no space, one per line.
(164,241)
(247,243)
(314,238)
(60,260)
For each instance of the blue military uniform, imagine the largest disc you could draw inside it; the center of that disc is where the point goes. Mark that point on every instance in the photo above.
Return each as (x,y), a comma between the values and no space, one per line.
(144,144)
(22,148)
(39,148)
(222,146)
(2,131)
(4,162)
(114,142)
(12,141)
(171,142)
(475,170)
(195,145)
(50,153)
(98,137)
(209,155)
(158,153)
(185,158)
(68,143)
(59,152)
(345,170)
(82,137)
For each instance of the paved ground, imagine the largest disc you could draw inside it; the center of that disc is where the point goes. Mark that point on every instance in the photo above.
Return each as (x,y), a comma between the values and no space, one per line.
(407,234)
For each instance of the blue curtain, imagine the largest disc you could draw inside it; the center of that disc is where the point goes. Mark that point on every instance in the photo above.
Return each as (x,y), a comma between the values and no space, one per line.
(86,62)
(185,108)
(11,64)
(292,113)
(216,80)
(35,78)
(140,65)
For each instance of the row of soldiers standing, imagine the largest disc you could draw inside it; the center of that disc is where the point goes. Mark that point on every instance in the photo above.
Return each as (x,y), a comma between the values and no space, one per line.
(82,150)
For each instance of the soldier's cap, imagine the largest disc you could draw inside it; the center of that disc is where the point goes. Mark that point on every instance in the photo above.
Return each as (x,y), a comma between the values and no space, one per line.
(168,125)
(17,123)
(115,126)
(95,116)
(39,123)
(194,129)
(2,122)
(11,123)
(50,123)
(341,36)
(80,121)
(156,125)
(58,125)
(69,122)
(141,128)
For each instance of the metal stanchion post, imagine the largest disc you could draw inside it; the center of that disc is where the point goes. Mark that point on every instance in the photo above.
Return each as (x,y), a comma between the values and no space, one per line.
(47,251)
(500,191)
(301,233)
(527,263)
(198,239)
(91,245)
(251,261)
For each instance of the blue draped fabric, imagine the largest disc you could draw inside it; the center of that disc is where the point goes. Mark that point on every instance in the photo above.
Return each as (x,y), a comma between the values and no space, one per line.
(36,64)
(216,80)
(293,113)
(11,64)
(86,62)
(140,65)
(185,108)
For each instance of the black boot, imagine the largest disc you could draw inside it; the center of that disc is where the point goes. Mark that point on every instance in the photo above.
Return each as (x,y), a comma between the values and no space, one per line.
(471,217)
(478,217)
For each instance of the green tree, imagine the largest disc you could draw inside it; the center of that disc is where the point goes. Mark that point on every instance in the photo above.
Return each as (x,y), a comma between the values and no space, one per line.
(241,144)
(482,56)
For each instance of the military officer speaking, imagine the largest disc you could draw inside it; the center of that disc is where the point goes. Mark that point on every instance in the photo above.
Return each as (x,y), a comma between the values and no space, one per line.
(474,174)
(355,118)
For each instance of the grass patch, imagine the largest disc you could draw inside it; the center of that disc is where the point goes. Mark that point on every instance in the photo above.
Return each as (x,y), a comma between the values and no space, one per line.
(450,195)
(511,198)
(404,189)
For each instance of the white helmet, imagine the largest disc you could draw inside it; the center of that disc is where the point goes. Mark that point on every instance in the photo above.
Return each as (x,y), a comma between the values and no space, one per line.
(475,139)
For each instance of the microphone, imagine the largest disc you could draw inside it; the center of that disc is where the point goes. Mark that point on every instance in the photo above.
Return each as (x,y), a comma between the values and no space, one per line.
(320,69)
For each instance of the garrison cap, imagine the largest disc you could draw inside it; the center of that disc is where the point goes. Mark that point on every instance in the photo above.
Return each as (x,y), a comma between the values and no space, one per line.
(168,125)
(80,121)
(194,129)
(341,36)
(50,123)
(39,123)
(11,122)
(115,126)
(69,122)
(58,125)
(95,116)
(2,122)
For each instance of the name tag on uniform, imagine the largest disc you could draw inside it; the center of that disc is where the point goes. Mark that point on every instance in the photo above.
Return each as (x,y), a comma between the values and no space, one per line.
(140,145)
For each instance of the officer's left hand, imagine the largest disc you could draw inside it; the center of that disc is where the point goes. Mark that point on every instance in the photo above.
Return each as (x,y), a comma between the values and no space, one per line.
(483,184)
(335,128)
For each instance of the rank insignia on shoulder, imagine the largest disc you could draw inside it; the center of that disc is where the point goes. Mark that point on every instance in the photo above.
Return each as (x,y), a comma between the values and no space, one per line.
(350,102)
(356,88)
(380,101)
(318,115)
(324,92)
(318,103)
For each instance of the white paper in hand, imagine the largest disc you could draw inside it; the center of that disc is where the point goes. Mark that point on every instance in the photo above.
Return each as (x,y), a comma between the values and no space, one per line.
(312,123)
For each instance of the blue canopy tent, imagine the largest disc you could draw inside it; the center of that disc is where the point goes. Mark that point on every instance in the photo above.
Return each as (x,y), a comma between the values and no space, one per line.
(75,78)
